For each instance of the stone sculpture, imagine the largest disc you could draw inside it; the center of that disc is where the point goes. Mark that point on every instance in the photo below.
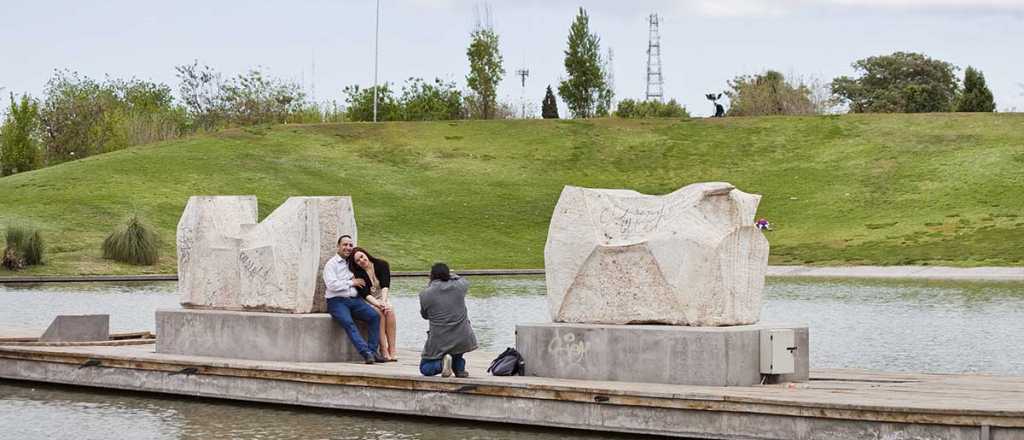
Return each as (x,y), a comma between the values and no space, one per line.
(692,257)
(228,261)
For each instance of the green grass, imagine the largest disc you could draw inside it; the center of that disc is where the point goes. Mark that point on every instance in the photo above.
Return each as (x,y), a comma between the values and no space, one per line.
(855,189)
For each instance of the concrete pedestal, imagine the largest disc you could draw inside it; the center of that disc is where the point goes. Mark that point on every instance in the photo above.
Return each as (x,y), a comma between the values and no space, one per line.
(714,356)
(78,328)
(309,337)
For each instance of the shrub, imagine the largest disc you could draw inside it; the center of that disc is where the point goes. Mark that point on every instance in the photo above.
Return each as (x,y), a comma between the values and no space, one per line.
(769,93)
(630,108)
(24,247)
(132,243)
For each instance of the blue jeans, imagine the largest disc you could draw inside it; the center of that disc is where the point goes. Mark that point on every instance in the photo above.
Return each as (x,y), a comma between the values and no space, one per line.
(344,309)
(433,367)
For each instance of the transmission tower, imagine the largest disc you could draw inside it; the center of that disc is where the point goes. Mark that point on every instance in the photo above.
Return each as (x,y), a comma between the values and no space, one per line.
(654,81)
(523,73)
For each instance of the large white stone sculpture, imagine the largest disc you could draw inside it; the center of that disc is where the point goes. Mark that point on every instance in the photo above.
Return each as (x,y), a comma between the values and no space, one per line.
(226,260)
(693,257)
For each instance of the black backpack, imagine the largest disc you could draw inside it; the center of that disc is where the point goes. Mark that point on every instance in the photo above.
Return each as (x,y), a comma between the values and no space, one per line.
(508,363)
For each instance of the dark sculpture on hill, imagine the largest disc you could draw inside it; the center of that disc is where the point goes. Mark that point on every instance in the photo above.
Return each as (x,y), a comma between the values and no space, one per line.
(719,110)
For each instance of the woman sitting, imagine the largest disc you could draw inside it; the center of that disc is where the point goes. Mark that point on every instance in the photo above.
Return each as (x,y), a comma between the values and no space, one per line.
(377,274)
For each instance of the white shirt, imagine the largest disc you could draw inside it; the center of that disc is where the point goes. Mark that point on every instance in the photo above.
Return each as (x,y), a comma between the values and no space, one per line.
(338,278)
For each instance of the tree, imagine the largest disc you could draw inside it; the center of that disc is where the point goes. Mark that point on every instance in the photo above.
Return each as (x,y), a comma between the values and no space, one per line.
(485,68)
(200,91)
(359,103)
(583,89)
(19,143)
(768,93)
(257,98)
(549,106)
(976,96)
(437,101)
(903,82)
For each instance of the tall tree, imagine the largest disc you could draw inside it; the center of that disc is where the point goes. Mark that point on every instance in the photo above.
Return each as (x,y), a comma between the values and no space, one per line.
(583,89)
(549,106)
(976,97)
(899,83)
(19,143)
(485,67)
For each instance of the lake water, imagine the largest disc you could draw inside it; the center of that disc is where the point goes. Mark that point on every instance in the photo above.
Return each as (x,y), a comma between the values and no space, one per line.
(893,326)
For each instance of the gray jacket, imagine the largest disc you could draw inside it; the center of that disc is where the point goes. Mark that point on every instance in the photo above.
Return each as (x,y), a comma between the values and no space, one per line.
(443,303)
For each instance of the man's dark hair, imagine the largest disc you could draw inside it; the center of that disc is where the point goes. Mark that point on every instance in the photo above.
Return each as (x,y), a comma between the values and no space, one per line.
(343,237)
(440,271)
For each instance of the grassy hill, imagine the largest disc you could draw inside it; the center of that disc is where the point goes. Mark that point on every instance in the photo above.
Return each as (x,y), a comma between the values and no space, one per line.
(853,189)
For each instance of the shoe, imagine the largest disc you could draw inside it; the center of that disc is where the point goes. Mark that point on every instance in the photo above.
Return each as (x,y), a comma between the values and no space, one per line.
(368,358)
(446,366)
(380,359)
(462,374)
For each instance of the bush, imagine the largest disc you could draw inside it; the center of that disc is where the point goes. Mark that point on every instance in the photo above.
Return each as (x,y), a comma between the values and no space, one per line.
(630,108)
(132,243)
(769,93)
(24,247)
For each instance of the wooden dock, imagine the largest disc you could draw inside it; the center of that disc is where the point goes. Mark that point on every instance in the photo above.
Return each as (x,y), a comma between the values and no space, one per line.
(835,404)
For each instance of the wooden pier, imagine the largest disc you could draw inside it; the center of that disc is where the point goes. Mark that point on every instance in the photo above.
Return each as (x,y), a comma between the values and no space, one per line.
(835,404)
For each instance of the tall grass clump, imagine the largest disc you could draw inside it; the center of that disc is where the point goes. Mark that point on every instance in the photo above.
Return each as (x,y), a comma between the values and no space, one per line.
(133,242)
(24,247)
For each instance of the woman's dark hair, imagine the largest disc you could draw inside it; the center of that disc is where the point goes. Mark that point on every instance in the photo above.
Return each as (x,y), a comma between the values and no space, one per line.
(439,271)
(351,260)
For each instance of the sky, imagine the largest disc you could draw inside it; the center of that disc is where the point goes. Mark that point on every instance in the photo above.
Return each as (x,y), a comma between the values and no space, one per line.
(326,45)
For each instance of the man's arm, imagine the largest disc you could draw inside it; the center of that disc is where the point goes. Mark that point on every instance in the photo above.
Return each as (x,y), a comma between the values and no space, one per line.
(335,284)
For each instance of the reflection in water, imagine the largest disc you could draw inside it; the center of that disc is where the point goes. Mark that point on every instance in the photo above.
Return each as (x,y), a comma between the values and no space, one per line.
(38,411)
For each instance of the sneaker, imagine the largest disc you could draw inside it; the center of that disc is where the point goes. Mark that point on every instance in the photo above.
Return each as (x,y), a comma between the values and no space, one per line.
(462,374)
(446,366)
(368,358)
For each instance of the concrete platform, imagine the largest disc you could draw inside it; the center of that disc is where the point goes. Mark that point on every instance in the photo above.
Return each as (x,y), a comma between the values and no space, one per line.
(834,404)
(713,356)
(310,337)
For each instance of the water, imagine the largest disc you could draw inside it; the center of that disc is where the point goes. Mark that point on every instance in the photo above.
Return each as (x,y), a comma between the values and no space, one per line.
(892,326)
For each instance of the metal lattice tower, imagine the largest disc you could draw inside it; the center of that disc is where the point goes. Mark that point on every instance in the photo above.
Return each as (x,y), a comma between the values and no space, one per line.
(523,73)
(654,81)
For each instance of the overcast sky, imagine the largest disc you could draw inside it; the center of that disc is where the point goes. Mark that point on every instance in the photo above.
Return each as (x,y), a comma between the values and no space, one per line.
(704,42)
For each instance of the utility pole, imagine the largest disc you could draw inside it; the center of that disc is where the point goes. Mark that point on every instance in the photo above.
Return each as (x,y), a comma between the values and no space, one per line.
(654,81)
(610,76)
(376,51)
(523,73)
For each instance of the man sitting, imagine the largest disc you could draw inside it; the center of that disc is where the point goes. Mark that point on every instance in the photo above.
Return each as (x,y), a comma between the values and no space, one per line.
(344,302)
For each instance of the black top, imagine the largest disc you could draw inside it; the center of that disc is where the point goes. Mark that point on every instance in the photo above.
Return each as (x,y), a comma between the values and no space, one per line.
(383,270)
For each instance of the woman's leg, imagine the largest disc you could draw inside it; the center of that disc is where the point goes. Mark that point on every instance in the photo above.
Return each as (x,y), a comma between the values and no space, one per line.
(383,336)
(392,336)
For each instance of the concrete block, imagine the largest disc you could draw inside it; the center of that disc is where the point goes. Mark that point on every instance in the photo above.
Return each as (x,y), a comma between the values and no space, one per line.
(713,356)
(78,328)
(312,337)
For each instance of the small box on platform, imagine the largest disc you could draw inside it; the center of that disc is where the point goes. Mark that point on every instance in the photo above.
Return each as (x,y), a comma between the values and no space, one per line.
(713,356)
